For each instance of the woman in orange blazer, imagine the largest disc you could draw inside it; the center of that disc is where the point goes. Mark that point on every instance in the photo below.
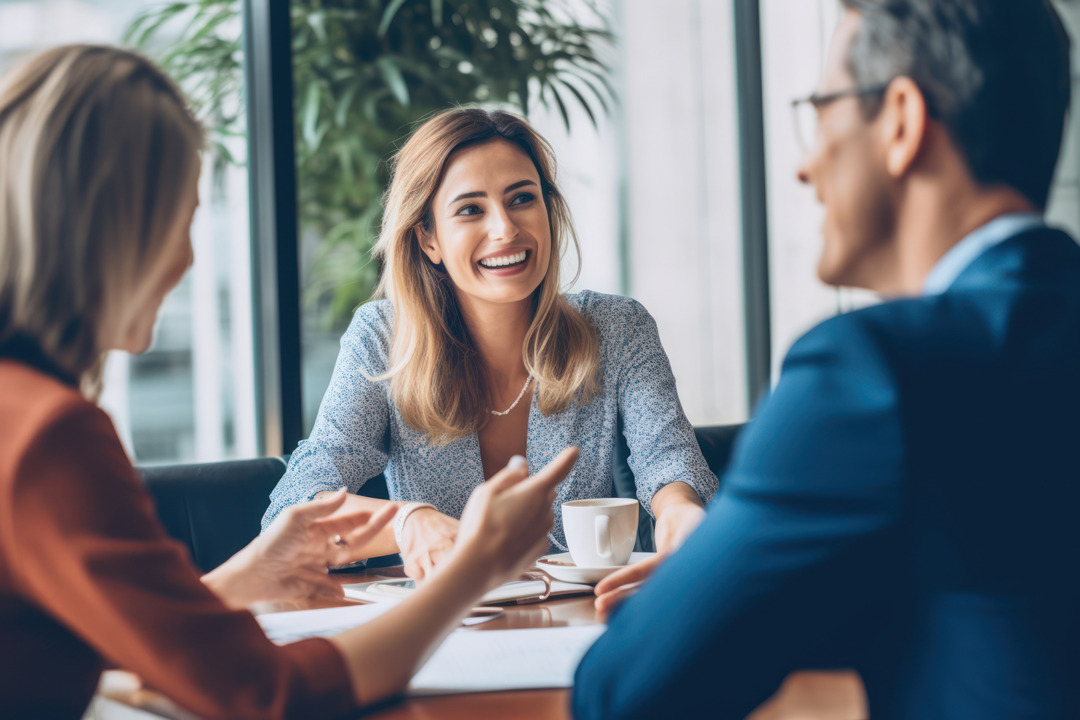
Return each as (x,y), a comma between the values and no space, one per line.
(99,160)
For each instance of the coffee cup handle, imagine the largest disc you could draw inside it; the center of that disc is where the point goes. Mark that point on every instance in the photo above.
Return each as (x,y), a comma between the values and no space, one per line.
(603,537)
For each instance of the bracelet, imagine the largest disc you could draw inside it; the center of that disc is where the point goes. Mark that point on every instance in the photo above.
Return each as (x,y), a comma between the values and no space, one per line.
(403,514)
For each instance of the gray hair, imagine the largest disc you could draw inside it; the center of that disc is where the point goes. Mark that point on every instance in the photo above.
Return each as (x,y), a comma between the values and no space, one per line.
(995,73)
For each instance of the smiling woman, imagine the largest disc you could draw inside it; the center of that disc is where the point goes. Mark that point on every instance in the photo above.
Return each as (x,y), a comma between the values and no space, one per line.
(496,199)
(430,382)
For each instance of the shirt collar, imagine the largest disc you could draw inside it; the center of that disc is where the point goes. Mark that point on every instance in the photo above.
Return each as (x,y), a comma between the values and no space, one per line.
(963,253)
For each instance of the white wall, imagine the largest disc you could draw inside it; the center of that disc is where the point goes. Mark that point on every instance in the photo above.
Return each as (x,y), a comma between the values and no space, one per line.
(682,196)
(794,37)
(656,187)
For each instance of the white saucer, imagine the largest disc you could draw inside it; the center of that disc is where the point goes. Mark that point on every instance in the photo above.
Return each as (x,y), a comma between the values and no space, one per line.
(571,573)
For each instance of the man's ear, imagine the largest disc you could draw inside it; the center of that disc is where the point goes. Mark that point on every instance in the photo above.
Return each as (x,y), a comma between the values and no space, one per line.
(429,245)
(903,124)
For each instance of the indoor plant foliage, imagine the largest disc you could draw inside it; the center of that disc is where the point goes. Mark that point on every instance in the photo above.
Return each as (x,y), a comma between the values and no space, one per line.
(365,71)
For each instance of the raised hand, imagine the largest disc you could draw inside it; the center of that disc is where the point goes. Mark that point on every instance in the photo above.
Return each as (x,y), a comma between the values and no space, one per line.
(506,521)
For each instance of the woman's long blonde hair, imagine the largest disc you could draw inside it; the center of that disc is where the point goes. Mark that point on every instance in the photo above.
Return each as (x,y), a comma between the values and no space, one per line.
(438,380)
(97,147)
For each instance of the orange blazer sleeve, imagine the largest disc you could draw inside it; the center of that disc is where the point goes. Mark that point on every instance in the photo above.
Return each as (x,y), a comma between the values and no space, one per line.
(89,549)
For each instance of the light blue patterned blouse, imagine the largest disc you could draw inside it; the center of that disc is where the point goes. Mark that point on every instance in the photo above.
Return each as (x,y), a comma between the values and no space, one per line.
(359,433)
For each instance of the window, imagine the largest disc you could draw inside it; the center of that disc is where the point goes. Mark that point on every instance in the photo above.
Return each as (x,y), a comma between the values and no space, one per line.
(192,396)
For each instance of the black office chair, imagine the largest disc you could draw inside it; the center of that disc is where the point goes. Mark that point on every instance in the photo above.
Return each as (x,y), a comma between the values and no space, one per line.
(215,509)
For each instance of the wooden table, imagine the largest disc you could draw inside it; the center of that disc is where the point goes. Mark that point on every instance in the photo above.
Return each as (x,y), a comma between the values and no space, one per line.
(803,696)
(526,705)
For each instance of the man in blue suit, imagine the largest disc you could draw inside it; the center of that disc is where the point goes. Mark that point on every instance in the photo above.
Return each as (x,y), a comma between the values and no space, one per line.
(905,503)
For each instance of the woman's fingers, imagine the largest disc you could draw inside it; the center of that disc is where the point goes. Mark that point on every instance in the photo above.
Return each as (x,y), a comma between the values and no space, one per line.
(554,472)
(438,554)
(320,506)
(605,604)
(338,525)
(320,584)
(346,535)
(514,472)
(359,527)
(621,584)
(547,479)
(631,574)
(413,569)
(419,565)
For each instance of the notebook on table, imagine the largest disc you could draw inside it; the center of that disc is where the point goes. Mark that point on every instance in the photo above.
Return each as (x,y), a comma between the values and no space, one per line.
(516,592)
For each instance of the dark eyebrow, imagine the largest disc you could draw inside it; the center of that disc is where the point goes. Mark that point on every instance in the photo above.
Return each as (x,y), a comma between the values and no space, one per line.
(518,184)
(481,193)
(466,196)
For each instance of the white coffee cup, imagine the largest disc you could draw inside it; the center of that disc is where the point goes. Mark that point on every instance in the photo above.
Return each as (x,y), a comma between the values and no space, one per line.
(600,532)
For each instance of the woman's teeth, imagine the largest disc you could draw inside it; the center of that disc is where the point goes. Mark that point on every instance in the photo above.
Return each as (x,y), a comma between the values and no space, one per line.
(505,260)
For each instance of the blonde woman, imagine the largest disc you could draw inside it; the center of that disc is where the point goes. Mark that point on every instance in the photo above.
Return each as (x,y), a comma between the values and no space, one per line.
(99,160)
(474,355)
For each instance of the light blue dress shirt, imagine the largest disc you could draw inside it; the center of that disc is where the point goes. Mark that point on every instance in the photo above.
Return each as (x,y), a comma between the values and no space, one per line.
(963,253)
(359,433)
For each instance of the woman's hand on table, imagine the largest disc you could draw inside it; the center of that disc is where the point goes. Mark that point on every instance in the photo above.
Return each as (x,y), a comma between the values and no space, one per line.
(678,512)
(428,538)
(289,561)
(675,524)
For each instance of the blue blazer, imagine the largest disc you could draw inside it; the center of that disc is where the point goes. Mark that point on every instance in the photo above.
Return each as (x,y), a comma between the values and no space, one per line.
(905,504)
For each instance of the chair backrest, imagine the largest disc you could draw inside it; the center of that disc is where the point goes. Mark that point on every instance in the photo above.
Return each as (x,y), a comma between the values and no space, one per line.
(216,508)
(213,508)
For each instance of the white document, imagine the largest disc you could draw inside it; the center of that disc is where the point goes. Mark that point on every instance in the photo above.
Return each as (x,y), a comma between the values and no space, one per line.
(489,660)
(286,627)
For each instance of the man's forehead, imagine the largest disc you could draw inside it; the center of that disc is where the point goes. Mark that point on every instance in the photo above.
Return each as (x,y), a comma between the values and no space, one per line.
(835,74)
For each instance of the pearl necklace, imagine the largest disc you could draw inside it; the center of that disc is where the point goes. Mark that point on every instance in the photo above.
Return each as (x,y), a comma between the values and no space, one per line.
(520,395)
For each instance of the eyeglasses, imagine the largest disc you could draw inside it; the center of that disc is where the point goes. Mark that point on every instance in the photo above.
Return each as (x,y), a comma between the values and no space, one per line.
(805,110)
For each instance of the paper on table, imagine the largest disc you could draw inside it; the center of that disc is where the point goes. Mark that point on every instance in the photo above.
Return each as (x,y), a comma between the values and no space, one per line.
(490,660)
(286,627)
(394,591)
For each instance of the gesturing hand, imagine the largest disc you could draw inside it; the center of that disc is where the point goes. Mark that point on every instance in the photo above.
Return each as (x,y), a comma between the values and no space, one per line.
(505,523)
(289,561)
